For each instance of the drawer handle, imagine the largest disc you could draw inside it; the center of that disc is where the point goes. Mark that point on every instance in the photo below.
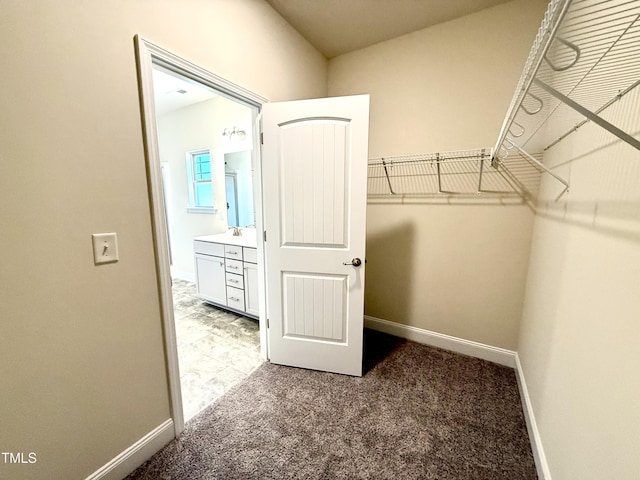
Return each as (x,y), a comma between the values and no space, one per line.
(233,281)
(234,299)
(232,253)
(234,267)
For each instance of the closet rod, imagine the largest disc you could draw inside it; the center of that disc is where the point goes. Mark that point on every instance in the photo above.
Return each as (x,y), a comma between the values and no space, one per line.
(589,114)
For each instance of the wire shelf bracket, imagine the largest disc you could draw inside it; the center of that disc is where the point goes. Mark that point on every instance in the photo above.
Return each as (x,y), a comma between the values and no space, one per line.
(589,114)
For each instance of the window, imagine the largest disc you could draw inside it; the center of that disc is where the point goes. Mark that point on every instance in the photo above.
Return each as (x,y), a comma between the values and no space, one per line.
(199,176)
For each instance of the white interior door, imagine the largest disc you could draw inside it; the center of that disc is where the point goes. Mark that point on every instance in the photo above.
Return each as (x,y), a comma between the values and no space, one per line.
(314,185)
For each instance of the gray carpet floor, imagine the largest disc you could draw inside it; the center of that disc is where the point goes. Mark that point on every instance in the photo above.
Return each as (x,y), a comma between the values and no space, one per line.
(417,413)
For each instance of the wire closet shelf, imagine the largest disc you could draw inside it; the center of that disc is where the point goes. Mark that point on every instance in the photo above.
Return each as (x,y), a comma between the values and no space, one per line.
(585,57)
(457,174)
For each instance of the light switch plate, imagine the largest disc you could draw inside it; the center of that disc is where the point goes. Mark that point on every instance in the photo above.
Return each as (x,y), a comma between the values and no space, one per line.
(105,248)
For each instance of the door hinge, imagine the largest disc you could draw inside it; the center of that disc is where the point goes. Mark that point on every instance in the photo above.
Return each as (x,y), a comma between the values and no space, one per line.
(261,138)
(267,323)
(264,235)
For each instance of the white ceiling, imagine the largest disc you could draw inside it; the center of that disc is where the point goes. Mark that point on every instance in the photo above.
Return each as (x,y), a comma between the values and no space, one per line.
(335,27)
(172,91)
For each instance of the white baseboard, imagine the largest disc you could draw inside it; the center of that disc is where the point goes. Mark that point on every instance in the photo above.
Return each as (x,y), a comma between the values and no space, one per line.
(138,453)
(497,355)
(540,458)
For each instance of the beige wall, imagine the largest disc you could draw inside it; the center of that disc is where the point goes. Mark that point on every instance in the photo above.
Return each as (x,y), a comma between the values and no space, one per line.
(580,329)
(81,357)
(457,270)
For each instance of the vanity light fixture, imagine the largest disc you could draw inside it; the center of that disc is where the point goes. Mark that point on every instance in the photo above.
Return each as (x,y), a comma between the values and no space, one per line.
(241,134)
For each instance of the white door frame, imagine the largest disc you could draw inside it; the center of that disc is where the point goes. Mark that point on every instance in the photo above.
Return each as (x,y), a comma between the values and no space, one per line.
(148,54)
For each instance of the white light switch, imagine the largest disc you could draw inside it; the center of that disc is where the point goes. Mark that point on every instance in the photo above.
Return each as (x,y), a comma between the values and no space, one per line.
(105,248)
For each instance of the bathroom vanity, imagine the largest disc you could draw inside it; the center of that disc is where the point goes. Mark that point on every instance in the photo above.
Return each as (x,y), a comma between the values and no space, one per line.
(227,271)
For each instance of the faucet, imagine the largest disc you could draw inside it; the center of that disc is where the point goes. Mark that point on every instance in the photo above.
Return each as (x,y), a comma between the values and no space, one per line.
(236,231)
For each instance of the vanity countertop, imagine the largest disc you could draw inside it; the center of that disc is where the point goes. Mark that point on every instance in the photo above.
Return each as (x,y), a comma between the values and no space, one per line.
(247,239)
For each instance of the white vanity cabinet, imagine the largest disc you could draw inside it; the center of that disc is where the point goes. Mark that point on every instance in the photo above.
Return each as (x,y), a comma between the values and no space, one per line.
(227,273)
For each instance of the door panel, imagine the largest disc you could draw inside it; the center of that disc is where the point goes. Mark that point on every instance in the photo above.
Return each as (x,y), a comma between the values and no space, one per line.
(314,306)
(314,169)
(314,175)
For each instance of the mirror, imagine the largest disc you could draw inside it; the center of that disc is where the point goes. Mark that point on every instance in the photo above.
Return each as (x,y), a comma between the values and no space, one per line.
(239,189)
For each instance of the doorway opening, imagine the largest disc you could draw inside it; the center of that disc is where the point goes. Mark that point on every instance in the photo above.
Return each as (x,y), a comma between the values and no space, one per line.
(217,347)
(199,128)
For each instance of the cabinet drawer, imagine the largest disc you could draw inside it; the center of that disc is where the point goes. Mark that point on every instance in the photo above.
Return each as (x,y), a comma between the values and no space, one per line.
(250,254)
(234,280)
(208,248)
(233,266)
(235,298)
(233,251)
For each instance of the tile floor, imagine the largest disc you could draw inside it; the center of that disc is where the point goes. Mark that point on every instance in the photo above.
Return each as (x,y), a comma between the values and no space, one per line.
(216,348)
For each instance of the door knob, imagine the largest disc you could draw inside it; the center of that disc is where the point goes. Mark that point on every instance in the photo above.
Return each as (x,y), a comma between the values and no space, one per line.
(356,262)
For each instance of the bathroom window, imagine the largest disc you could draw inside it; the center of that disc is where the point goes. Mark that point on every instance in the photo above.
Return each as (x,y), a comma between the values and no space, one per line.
(200,181)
